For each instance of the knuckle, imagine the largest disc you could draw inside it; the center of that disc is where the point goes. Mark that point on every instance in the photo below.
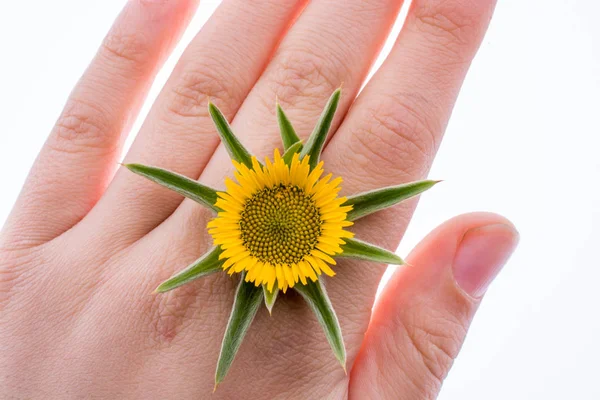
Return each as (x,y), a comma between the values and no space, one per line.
(449,25)
(83,126)
(14,266)
(129,48)
(294,364)
(165,314)
(190,93)
(7,278)
(396,138)
(436,339)
(302,76)
(165,317)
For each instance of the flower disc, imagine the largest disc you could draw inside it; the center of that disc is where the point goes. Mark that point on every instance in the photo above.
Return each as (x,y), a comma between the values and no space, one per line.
(282,224)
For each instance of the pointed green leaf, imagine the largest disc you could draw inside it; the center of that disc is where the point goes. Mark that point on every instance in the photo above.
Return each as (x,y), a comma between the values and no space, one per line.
(248,298)
(289,154)
(354,248)
(270,297)
(288,134)
(316,141)
(315,295)
(235,148)
(366,203)
(178,183)
(205,265)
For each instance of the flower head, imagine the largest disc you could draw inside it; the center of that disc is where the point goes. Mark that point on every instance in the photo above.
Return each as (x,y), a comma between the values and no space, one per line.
(280,223)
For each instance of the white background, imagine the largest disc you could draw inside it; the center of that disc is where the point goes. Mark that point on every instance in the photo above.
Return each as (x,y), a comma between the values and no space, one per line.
(523,141)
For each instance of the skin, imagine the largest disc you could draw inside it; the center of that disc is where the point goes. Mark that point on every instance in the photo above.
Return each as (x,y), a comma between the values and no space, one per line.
(87,243)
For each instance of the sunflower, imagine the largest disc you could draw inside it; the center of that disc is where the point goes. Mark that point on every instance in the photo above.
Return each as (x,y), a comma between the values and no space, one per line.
(279,225)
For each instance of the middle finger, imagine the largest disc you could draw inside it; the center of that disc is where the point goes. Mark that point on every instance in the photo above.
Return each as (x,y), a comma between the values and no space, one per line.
(332,42)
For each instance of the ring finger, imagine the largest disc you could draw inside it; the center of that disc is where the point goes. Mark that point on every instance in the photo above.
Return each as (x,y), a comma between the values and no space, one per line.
(391,134)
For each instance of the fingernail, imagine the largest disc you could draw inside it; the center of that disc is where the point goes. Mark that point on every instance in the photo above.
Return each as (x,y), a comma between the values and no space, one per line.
(481,254)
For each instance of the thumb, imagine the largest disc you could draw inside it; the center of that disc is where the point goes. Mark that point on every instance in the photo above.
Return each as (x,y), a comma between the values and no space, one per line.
(422,316)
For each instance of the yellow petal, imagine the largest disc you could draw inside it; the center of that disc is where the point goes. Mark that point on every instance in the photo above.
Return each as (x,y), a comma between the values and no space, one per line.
(280,277)
(334,217)
(313,263)
(240,265)
(232,251)
(252,263)
(308,270)
(287,271)
(323,256)
(329,249)
(232,260)
(301,274)
(271,277)
(295,272)
(325,267)
(331,240)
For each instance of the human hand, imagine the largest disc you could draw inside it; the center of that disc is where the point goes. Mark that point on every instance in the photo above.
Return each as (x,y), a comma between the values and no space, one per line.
(83,250)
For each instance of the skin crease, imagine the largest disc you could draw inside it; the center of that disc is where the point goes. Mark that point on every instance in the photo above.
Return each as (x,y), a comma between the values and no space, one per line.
(80,256)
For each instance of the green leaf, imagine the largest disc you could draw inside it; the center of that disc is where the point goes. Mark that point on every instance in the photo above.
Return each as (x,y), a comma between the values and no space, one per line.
(316,141)
(315,295)
(289,154)
(354,248)
(235,148)
(181,184)
(367,203)
(248,298)
(270,297)
(205,265)
(288,134)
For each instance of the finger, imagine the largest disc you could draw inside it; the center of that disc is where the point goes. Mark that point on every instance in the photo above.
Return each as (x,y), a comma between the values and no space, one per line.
(223,62)
(331,43)
(398,121)
(77,161)
(392,132)
(422,316)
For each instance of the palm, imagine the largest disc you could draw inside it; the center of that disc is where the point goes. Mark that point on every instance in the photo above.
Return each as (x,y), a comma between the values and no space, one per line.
(92,311)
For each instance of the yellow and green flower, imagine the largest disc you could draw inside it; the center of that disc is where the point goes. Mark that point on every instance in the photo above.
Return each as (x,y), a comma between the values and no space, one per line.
(280,225)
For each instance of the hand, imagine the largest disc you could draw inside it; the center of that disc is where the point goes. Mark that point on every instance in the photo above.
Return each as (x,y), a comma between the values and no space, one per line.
(85,247)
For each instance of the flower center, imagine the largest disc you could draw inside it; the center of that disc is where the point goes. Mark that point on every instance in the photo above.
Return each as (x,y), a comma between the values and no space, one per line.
(280,225)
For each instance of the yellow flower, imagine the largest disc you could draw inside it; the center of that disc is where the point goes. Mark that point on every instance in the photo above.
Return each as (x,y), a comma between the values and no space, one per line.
(281,224)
